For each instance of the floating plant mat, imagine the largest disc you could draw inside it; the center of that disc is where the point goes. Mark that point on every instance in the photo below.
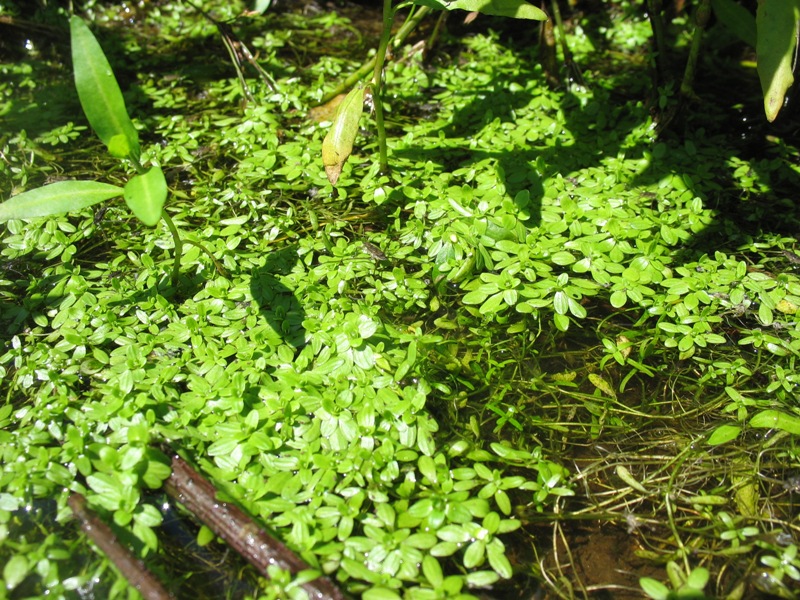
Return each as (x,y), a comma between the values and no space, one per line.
(548,336)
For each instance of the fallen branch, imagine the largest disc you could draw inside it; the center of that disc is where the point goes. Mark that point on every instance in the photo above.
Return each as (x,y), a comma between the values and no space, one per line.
(131,567)
(198,495)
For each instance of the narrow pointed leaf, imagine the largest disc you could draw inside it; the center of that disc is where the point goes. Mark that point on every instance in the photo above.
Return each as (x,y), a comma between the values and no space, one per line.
(737,19)
(773,419)
(145,195)
(518,9)
(57,199)
(338,143)
(99,93)
(776,23)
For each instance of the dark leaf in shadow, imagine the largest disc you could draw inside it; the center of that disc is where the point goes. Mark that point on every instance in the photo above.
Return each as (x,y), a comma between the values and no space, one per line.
(276,302)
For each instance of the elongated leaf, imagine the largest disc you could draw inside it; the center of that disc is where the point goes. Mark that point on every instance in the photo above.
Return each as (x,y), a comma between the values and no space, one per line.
(57,199)
(99,93)
(773,419)
(776,23)
(145,195)
(518,9)
(737,18)
(338,143)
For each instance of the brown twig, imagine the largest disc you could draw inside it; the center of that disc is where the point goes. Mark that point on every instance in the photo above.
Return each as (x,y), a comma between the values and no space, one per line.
(131,567)
(230,523)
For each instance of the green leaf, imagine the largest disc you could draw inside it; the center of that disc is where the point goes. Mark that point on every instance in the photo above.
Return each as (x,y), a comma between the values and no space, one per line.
(773,419)
(561,321)
(432,571)
(723,434)
(145,195)
(380,594)
(108,491)
(776,23)
(453,533)
(518,9)
(56,199)
(655,589)
(497,559)
(475,297)
(736,18)
(100,95)
(205,536)
(338,143)
(698,578)
(15,571)
(481,579)
(475,554)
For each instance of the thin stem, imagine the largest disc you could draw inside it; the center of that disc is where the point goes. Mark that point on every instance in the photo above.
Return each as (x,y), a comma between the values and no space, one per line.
(140,170)
(410,24)
(217,265)
(176,238)
(702,15)
(179,250)
(377,84)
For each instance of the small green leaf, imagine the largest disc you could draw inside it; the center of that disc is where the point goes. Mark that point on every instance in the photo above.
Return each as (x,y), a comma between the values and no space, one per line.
(480,579)
(99,93)
(453,533)
(655,589)
(475,554)
(698,578)
(15,571)
(145,195)
(561,321)
(723,434)
(602,385)
(628,478)
(56,199)
(205,536)
(495,551)
(618,298)
(432,571)
(380,594)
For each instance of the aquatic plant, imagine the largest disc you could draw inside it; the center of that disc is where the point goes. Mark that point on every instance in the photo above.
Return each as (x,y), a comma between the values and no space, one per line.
(338,144)
(684,586)
(104,107)
(545,326)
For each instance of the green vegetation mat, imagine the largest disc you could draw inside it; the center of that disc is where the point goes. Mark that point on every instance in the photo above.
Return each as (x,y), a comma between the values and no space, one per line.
(548,331)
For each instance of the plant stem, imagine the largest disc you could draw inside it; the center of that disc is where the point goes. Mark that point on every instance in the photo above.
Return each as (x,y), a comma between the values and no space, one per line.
(377,84)
(410,24)
(179,250)
(217,265)
(176,238)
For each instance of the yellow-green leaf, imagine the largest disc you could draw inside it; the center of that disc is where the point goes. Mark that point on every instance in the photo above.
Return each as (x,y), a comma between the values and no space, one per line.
(602,385)
(776,25)
(338,144)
